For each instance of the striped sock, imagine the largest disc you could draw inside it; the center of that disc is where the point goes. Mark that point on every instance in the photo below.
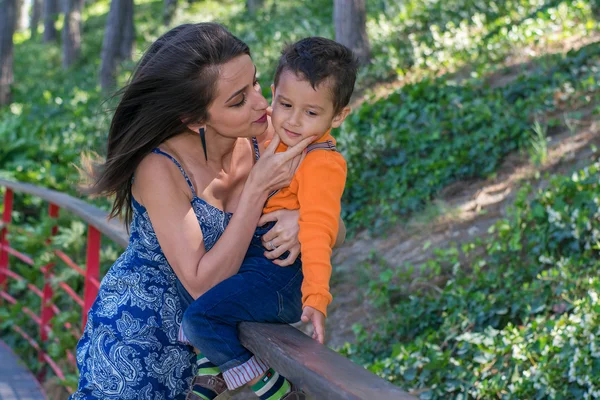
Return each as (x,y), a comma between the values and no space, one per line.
(271,386)
(205,367)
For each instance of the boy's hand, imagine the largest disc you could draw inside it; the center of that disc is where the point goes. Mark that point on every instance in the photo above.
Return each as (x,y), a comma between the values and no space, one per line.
(318,320)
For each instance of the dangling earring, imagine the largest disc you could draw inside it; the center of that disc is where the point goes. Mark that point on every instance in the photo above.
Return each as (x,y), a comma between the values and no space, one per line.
(203,138)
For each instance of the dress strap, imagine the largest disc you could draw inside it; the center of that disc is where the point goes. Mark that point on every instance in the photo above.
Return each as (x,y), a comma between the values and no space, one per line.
(256,150)
(187,179)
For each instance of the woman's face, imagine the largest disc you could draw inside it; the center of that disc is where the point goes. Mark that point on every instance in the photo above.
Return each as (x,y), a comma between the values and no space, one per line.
(239,108)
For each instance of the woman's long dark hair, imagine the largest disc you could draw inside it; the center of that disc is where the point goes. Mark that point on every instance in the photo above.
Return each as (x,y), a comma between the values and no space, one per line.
(174,81)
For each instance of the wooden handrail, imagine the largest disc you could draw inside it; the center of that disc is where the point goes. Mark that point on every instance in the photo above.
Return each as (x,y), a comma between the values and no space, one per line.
(319,371)
(90,214)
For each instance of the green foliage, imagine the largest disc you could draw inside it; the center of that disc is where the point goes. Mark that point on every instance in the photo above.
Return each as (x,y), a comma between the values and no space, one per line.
(518,316)
(538,150)
(434,35)
(403,149)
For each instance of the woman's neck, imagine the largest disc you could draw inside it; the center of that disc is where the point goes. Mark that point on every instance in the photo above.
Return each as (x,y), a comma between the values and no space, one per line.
(219,149)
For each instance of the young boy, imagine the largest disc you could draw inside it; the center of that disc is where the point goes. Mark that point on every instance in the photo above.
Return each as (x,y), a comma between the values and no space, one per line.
(312,88)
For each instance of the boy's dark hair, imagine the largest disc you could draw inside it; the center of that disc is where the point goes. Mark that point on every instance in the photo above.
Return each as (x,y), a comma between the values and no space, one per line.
(317,59)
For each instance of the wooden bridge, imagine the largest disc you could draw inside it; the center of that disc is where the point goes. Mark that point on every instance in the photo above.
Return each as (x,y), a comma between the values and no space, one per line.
(319,371)
(16,381)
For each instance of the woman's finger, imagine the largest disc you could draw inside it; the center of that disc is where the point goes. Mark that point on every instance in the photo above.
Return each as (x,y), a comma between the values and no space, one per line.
(273,145)
(273,216)
(270,235)
(296,149)
(296,162)
(277,252)
(270,245)
(290,259)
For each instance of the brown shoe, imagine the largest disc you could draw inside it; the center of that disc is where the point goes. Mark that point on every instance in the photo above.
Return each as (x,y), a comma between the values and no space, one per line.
(295,394)
(214,383)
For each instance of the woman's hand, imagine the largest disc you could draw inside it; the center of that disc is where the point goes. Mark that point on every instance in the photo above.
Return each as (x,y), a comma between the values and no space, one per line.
(275,170)
(282,237)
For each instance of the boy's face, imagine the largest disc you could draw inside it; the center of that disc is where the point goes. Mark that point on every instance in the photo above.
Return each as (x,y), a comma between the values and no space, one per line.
(299,111)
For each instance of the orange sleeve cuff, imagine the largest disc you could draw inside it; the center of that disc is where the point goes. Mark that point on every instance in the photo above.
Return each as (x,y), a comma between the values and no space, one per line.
(318,302)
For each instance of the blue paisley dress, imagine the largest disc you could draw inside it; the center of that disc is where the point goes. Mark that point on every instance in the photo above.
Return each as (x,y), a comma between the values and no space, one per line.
(129,348)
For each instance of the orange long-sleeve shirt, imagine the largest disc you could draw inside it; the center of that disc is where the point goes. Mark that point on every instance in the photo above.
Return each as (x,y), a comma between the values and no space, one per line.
(316,191)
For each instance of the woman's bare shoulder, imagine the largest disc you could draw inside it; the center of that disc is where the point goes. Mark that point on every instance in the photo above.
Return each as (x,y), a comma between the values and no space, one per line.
(157,174)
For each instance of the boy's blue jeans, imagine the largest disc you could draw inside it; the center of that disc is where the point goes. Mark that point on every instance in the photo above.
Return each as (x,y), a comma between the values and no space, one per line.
(261,291)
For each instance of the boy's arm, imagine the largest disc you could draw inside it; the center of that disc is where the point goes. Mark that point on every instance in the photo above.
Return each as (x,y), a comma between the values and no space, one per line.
(320,188)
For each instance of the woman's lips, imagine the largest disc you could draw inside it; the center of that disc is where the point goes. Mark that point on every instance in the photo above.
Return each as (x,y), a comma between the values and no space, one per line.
(262,119)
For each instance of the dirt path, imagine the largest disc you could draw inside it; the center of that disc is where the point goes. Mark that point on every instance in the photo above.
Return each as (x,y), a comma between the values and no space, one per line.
(463,211)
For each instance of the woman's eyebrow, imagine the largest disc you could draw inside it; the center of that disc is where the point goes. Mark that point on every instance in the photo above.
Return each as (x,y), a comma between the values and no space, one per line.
(242,89)
(237,93)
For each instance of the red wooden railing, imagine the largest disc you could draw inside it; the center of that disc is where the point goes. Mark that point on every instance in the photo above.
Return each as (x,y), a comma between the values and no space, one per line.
(90,272)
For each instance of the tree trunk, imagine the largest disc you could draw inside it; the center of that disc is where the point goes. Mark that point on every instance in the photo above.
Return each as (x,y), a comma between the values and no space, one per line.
(170,8)
(119,26)
(36,13)
(21,20)
(50,15)
(128,28)
(254,5)
(71,33)
(8,16)
(595,6)
(350,20)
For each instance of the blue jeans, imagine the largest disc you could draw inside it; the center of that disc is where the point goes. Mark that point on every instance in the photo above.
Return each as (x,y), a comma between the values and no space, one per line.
(261,292)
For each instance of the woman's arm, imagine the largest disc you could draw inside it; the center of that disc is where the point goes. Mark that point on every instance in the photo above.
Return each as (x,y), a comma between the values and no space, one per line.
(178,231)
(177,228)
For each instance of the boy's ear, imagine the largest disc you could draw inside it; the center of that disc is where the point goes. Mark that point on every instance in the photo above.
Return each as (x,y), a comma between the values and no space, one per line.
(340,117)
(272,91)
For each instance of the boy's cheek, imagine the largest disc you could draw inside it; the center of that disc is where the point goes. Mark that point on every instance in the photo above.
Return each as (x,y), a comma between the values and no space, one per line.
(275,118)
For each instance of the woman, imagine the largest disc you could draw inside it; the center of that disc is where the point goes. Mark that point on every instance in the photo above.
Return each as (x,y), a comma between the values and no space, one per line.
(183,164)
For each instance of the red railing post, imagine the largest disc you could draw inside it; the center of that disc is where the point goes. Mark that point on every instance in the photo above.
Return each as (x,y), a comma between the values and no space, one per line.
(46,312)
(92,271)
(6,219)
